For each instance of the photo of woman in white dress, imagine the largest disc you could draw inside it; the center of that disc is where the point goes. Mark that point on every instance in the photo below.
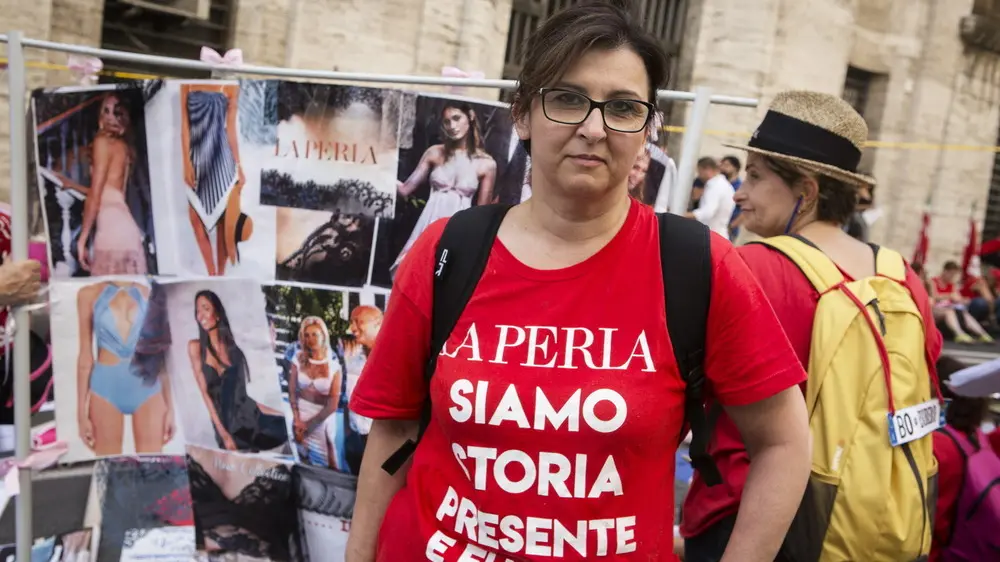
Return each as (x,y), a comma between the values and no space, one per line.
(459,169)
(314,391)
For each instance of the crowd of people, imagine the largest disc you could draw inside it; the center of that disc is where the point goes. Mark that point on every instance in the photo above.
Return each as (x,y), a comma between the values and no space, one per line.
(816,397)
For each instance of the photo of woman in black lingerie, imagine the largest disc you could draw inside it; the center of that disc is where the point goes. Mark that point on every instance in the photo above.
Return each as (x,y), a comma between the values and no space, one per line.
(323,248)
(116,370)
(222,374)
(212,173)
(94,181)
(243,505)
(459,157)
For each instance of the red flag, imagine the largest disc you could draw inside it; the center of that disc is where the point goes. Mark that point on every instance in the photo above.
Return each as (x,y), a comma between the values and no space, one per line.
(923,241)
(971,248)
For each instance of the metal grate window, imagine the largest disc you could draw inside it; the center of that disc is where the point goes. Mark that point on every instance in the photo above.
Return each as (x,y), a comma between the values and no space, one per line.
(127,28)
(856,88)
(663,18)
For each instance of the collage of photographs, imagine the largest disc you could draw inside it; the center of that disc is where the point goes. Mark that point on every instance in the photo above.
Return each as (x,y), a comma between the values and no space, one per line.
(221,255)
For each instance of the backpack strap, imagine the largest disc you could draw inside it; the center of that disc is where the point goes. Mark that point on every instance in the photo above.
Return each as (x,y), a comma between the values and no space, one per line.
(459,261)
(686,259)
(818,268)
(890,264)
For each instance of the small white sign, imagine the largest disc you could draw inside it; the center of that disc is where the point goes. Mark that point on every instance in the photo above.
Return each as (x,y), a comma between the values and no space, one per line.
(914,422)
(162,544)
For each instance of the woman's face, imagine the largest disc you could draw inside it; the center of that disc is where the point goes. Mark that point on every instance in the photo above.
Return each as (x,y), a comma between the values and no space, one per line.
(112,119)
(205,314)
(766,201)
(314,338)
(588,160)
(455,123)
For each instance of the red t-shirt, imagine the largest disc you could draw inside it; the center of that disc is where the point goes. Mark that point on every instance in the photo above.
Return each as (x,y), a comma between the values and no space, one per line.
(557,401)
(995,440)
(943,288)
(794,301)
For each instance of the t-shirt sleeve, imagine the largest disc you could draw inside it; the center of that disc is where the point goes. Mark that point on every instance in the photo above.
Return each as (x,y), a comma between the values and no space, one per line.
(932,336)
(747,356)
(392,384)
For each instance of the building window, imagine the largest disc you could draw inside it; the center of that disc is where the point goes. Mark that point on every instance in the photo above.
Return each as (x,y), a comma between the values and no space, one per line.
(663,18)
(857,87)
(127,27)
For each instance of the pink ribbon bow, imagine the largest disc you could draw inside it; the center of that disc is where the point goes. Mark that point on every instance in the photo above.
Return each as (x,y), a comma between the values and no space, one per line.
(655,126)
(39,459)
(233,57)
(84,69)
(453,72)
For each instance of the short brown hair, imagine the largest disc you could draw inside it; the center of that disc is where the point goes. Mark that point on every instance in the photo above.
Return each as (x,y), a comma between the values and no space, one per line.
(708,162)
(952,266)
(563,38)
(837,199)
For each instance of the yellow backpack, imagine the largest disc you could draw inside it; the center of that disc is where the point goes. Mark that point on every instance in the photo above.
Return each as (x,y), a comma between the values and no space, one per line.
(873,486)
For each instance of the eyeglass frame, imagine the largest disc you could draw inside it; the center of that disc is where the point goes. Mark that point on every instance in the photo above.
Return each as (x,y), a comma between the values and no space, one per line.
(599,105)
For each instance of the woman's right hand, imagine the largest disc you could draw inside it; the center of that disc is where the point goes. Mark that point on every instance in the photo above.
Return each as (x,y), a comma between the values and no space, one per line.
(81,254)
(86,429)
(190,177)
(228,441)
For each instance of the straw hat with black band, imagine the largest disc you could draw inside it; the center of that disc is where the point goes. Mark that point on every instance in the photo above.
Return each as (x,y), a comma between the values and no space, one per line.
(817,132)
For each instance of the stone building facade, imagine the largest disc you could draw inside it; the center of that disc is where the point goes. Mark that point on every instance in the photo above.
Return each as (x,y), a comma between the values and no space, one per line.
(905,67)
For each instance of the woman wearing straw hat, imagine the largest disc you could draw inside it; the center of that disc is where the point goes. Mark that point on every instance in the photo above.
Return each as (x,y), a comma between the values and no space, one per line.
(802,180)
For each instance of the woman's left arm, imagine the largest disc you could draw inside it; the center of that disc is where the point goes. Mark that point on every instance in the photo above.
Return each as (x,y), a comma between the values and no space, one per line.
(331,405)
(487,179)
(755,374)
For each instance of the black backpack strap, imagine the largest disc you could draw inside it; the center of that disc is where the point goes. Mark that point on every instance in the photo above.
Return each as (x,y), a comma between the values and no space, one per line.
(461,256)
(686,259)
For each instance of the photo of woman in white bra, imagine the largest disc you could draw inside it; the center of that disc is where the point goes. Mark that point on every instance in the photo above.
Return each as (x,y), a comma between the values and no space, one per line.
(314,387)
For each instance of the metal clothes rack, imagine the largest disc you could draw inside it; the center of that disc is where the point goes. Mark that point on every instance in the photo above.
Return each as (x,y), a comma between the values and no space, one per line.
(702,98)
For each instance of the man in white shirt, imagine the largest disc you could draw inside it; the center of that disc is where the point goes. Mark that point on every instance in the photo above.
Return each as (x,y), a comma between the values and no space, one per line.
(716,205)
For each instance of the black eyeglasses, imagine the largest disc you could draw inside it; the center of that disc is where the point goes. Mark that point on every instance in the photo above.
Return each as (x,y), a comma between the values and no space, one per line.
(572,108)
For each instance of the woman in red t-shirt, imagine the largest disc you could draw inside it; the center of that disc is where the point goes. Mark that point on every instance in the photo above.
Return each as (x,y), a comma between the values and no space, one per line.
(557,406)
(951,306)
(799,180)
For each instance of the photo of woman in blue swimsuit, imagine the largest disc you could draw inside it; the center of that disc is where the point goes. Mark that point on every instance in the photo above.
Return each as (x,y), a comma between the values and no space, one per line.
(111,384)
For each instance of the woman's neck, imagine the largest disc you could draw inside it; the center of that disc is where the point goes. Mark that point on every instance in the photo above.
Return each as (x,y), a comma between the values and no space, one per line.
(213,339)
(575,220)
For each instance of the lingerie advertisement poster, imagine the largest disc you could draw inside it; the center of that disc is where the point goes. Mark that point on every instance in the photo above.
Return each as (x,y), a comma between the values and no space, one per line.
(112,393)
(646,176)
(325,248)
(326,506)
(140,494)
(67,547)
(244,505)
(162,544)
(206,177)
(332,148)
(322,341)
(221,365)
(454,153)
(94,180)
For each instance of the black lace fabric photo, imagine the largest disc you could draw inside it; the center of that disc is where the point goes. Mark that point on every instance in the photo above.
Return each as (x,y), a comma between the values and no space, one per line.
(140,493)
(243,505)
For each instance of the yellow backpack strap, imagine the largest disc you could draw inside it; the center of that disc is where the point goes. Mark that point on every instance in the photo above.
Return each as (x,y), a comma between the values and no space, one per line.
(814,264)
(889,263)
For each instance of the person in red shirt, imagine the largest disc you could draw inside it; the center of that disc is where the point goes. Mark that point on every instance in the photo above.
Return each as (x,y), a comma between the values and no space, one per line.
(782,196)
(966,415)
(952,307)
(557,405)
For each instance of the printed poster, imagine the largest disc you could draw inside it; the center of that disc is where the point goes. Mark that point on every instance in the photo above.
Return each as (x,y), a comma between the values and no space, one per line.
(334,148)
(221,366)
(322,341)
(325,501)
(94,180)
(162,544)
(646,175)
(243,505)
(454,153)
(109,342)
(139,495)
(325,248)
(206,176)
(67,547)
